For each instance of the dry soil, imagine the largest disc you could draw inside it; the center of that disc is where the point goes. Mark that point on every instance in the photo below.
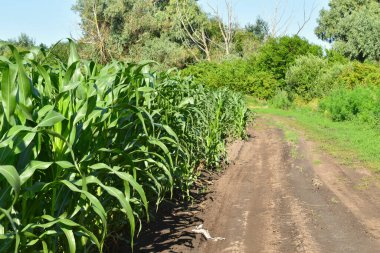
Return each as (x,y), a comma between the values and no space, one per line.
(277,196)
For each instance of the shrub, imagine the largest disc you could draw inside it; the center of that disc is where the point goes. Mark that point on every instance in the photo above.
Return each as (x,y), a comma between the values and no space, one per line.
(281,100)
(278,54)
(260,84)
(237,75)
(359,74)
(361,103)
(303,78)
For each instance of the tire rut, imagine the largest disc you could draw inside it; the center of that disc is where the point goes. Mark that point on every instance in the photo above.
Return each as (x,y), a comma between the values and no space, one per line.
(272,199)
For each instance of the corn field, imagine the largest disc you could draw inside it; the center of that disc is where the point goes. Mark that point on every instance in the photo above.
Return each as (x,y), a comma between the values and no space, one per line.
(88,149)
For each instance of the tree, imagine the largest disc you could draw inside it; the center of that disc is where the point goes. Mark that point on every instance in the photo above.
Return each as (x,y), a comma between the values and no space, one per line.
(278,54)
(260,29)
(194,26)
(25,41)
(353,26)
(228,27)
(120,28)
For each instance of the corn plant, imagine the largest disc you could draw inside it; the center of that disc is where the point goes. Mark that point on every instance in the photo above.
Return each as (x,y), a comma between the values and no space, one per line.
(86,149)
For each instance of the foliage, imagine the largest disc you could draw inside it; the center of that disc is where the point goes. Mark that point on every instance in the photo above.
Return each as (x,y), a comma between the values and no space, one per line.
(86,149)
(314,77)
(246,44)
(133,30)
(260,75)
(162,50)
(278,54)
(303,77)
(334,56)
(260,29)
(351,141)
(235,74)
(360,103)
(281,100)
(359,74)
(112,28)
(23,42)
(353,26)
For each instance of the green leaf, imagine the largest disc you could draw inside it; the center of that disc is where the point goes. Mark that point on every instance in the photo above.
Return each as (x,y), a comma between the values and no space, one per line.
(65,164)
(70,239)
(186,101)
(50,119)
(43,111)
(121,198)
(31,168)
(8,90)
(81,113)
(24,83)
(170,131)
(74,56)
(13,178)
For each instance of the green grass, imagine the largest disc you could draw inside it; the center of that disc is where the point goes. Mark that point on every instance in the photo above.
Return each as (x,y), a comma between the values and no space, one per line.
(290,136)
(353,143)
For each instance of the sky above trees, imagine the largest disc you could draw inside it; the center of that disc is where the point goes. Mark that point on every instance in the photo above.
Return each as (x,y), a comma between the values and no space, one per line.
(47,21)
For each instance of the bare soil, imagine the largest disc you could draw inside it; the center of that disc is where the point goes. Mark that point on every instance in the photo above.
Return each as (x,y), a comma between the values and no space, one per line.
(275,197)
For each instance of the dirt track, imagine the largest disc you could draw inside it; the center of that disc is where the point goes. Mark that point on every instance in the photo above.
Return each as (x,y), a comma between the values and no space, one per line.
(278,197)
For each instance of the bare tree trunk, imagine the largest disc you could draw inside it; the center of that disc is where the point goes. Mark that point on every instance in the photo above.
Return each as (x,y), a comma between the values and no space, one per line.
(306,19)
(206,47)
(227,30)
(197,36)
(278,25)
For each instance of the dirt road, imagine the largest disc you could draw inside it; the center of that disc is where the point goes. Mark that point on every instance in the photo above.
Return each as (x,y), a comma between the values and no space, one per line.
(281,197)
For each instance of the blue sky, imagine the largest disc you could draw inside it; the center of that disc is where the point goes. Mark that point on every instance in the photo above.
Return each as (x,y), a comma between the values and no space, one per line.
(48,21)
(291,11)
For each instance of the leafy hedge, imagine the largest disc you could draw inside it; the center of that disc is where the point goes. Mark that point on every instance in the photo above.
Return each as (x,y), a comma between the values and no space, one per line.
(260,75)
(238,75)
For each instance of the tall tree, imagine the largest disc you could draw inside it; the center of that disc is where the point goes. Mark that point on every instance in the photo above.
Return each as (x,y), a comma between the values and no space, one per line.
(130,29)
(194,26)
(260,29)
(353,26)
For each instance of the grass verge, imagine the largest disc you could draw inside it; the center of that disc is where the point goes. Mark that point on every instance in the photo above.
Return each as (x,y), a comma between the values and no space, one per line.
(353,143)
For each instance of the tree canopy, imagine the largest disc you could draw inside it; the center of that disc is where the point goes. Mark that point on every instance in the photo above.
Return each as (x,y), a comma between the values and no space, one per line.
(353,26)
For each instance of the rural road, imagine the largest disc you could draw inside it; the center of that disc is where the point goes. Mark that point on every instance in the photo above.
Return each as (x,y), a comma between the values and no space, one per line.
(280,197)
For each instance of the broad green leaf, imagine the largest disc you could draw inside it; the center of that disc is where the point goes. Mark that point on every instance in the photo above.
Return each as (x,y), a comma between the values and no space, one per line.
(13,178)
(43,111)
(8,90)
(31,168)
(186,101)
(70,239)
(50,119)
(73,57)
(65,164)
(24,84)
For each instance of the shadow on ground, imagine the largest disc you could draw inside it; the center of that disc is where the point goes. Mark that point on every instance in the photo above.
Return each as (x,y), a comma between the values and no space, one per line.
(171,226)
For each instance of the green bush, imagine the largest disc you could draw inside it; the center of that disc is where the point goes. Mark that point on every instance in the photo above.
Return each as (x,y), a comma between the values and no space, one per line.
(360,103)
(314,77)
(303,78)
(359,74)
(260,84)
(278,54)
(235,74)
(281,100)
